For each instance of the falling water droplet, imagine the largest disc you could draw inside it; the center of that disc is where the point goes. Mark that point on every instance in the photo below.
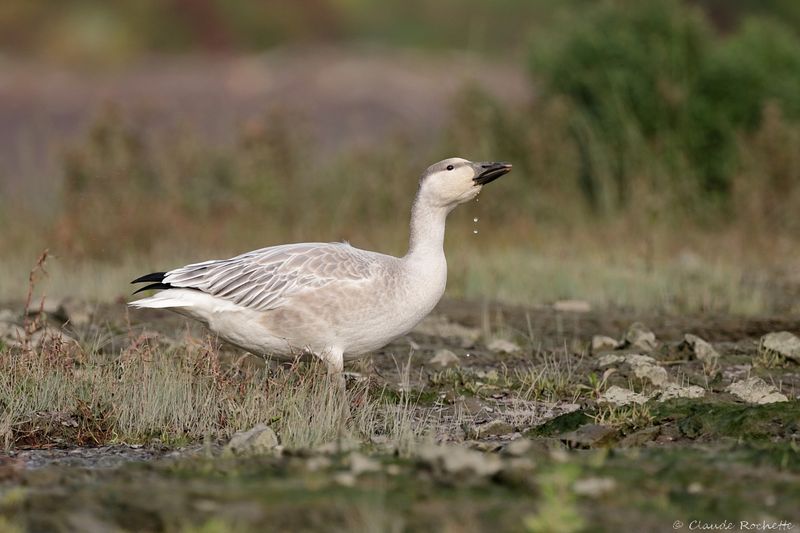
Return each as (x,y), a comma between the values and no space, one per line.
(474,232)
(475,219)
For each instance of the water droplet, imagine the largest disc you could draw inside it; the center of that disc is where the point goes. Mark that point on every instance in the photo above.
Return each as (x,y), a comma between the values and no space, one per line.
(474,232)
(475,219)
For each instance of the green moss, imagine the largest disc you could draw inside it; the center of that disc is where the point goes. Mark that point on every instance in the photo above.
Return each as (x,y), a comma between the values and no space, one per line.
(561,424)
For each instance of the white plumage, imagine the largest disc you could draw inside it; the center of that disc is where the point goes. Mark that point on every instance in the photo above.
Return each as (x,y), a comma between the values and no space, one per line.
(328,299)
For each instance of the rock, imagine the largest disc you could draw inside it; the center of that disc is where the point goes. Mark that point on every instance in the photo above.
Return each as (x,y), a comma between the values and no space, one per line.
(638,336)
(635,359)
(572,306)
(258,441)
(494,428)
(784,343)
(11,333)
(602,343)
(589,436)
(645,367)
(610,359)
(673,390)
(444,358)
(439,326)
(459,461)
(619,396)
(654,374)
(756,390)
(361,464)
(640,438)
(517,448)
(7,316)
(701,349)
(593,486)
(77,312)
(503,346)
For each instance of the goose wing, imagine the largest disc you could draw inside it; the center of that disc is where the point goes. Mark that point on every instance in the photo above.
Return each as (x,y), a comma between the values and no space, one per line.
(263,279)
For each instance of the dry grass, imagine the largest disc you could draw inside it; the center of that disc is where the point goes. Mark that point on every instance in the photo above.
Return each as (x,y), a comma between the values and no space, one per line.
(63,392)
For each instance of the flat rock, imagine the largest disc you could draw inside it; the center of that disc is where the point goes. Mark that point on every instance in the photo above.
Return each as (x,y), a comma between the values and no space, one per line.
(602,343)
(638,336)
(620,396)
(494,428)
(701,349)
(610,359)
(594,487)
(673,390)
(518,448)
(440,326)
(589,436)
(444,358)
(784,343)
(257,441)
(503,346)
(641,437)
(460,461)
(361,464)
(654,374)
(756,390)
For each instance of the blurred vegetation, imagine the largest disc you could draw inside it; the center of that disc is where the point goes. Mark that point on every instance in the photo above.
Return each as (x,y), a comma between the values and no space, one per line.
(118,30)
(655,97)
(653,122)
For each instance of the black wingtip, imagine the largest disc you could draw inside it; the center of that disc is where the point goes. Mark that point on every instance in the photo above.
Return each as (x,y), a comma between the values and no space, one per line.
(153,286)
(157,277)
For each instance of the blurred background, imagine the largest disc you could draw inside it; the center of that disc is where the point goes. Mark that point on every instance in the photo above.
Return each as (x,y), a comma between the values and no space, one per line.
(656,143)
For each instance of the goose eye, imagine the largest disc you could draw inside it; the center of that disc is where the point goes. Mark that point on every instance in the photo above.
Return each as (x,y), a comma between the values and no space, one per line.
(449,167)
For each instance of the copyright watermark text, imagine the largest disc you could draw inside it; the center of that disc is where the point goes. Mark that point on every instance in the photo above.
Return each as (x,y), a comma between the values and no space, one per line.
(739,525)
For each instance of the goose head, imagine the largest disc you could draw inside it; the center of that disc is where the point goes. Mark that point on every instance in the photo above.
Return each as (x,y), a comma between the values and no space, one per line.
(455,180)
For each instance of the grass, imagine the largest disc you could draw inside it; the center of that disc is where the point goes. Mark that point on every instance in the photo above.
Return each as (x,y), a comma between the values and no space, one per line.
(178,393)
(686,283)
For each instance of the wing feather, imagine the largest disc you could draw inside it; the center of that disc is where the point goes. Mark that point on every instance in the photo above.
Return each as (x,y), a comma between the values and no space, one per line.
(264,279)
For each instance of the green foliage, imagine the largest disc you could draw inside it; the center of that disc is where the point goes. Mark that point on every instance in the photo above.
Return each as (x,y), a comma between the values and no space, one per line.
(654,93)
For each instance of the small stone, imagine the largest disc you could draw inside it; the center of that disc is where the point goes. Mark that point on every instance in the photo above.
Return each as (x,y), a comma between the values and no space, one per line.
(460,461)
(784,343)
(638,336)
(594,486)
(635,359)
(78,313)
(640,438)
(654,374)
(756,390)
(619,396)
(673,390)
(361,464)
(494,428)
(572,306)
(602,343)
(610,359)
(701,349)
(344,479)
(11,333)
(257,441)
(440,326)
(444,358)
(503,346)
(589,436)
(517,448)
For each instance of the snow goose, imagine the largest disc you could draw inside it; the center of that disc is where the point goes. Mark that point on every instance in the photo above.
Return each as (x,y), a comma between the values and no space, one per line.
(327,299)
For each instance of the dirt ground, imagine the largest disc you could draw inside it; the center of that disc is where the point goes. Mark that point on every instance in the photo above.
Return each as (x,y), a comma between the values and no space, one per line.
(537,424)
